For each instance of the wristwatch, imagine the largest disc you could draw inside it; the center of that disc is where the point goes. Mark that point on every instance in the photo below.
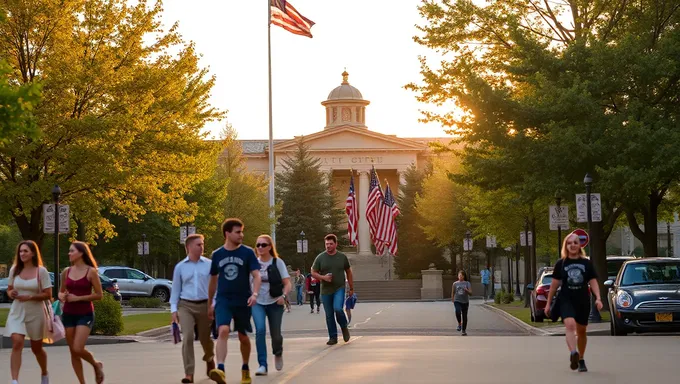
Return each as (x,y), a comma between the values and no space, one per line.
(255,294)
(284,296)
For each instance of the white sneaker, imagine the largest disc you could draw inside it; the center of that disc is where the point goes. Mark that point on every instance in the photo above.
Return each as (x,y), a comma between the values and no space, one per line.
(45,379)
(262,371)
(278,362)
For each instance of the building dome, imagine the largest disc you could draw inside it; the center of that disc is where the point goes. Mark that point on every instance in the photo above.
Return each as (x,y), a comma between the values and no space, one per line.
(345,91)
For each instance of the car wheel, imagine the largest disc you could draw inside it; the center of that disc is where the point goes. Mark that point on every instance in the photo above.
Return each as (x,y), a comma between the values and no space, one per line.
(161,293)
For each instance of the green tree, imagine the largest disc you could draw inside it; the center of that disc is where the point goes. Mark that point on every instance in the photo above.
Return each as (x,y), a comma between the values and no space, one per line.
(416,252)
(120,119)
(16,107)
(308,205)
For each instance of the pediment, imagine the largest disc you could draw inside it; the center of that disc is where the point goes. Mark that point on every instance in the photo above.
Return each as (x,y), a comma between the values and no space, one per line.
(351,138)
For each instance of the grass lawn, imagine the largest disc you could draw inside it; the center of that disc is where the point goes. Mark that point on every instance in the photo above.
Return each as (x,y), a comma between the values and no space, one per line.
(3,316)
(133,324)
(517,310)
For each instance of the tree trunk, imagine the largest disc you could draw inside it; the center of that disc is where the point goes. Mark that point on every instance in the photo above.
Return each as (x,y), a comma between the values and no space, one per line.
(598,247)
(80,230)
(650,244)
(31,229)
(534,267)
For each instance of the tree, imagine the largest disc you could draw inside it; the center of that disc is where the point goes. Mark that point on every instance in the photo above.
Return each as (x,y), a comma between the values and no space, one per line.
(415,251)
(17,104)
(120,118)
(308,205)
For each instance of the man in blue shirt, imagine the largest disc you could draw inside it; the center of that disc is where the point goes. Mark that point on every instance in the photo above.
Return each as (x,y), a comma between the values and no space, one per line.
(486,280)
(231,268)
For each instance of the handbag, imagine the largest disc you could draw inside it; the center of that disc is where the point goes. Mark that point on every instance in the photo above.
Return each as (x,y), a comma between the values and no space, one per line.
(275,280)
(54,329)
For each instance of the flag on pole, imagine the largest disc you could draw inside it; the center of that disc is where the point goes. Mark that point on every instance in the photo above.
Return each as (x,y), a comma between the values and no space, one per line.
(375,197)
(285,16)
(352,213)
(386,235)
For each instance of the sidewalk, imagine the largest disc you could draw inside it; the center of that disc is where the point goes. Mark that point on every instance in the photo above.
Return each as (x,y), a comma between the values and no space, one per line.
(595,329)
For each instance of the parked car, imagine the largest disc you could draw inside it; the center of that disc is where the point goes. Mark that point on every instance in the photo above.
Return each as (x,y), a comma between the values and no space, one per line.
(539,295)
(614,264)
(108,285)
(4,297)
(645,297)
(135,283)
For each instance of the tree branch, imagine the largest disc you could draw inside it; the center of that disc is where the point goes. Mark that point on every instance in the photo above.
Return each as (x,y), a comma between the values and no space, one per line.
(634,226)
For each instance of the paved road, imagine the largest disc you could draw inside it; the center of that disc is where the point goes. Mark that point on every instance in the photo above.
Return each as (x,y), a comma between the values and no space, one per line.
(386,359)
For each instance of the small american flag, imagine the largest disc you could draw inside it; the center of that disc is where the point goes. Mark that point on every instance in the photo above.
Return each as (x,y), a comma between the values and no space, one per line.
(386,235)
(352,213)
(285,16)
(375,196)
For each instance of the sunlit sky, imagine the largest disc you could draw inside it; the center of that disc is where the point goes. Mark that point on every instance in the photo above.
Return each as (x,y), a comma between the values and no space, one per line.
(371,38)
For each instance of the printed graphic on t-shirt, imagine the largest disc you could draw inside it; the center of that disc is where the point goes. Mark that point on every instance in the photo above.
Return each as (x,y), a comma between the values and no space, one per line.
(264,274)
(460,290)
(231,268)
(575,274)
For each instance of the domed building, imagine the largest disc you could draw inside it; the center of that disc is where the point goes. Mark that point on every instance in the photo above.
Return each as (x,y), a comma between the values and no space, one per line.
(347,145)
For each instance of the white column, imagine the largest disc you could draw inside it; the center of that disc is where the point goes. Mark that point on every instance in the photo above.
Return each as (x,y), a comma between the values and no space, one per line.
(364,234)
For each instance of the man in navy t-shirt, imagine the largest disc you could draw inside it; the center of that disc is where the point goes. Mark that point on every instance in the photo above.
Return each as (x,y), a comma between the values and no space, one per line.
(232,266)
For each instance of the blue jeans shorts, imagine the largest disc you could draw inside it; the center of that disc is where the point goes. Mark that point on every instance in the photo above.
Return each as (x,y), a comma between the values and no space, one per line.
(72,321)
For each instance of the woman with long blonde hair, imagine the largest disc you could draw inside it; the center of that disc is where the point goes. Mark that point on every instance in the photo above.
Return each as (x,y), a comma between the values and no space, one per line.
(29,287)
(270,302)
(574,273)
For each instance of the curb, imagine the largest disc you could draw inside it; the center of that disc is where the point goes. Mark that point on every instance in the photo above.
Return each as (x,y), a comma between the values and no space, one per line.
(519,323)
(6,342)
(156,332)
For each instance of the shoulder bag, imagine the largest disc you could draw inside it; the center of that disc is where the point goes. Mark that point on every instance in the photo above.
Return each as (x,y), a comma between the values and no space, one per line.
(54,329)
(275,280)
(554,305)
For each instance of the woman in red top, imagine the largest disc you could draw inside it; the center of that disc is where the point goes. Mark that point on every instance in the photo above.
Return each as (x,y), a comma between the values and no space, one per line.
(77,284)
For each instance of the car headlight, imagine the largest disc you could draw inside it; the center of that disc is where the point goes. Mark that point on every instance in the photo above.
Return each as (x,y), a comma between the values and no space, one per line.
(624,300)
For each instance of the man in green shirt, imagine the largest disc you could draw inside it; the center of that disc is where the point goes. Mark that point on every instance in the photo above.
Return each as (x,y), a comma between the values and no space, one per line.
(330,267)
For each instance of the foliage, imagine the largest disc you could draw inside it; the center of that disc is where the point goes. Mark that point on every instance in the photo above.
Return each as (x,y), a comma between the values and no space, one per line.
(145,302)
(17,104)
(308,204)
(120,118)
(415,252)
(109,316)
(9,238)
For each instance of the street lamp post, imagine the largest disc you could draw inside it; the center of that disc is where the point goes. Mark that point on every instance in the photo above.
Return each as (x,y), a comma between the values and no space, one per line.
(56,194)
(468,234)
(302,249)
(588,181)
(558,201)
(669,247)
(527,258)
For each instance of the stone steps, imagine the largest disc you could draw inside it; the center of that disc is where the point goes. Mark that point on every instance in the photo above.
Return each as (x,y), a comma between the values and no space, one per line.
(388,290)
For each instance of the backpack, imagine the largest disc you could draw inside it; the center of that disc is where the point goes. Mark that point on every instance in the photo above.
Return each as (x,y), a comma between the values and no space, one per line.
(275,280)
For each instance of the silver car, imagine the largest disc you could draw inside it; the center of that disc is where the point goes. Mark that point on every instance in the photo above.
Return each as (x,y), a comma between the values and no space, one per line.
(4,297)
(135,283)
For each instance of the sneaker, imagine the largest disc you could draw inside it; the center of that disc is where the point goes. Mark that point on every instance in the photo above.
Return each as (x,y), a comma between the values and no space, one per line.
(582,366)
(459,328)
(44,379)
(217,376)
(317,310)
(332,341)
(245,377)
(345,334)
(312,311)
(573,359)
(278,362)
(464,333)
(262,371)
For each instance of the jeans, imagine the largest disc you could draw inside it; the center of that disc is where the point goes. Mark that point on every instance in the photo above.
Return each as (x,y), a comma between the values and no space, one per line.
(273,312)
(312,296)
(334,303)
(462,309)
(298,288)
(486,291)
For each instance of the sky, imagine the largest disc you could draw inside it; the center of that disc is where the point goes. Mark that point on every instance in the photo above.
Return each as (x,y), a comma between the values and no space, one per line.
(372,39)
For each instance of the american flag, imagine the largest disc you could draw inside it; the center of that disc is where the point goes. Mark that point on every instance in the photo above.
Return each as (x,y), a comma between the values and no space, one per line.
(285,16)
(386,234)
(352,213)
(375,197)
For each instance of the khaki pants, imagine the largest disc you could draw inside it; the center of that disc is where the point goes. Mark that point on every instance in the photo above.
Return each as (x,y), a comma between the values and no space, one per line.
(191,314)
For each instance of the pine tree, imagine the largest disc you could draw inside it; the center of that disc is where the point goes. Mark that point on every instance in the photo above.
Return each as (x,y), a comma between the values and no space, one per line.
(416,252)
(308,205)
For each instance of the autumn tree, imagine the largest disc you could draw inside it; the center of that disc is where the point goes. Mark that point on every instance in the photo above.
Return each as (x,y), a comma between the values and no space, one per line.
(122,108)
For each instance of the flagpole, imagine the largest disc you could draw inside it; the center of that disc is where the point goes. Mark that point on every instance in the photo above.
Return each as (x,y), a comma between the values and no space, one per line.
(271,130)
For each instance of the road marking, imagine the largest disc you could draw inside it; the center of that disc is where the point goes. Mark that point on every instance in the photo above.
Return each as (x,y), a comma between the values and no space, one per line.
(363,322)
(384,309)
(300,367)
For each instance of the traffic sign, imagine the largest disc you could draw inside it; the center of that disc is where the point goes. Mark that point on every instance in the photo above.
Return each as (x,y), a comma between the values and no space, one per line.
(48,218)
(559,217)
(185,231)
(523,239)
(142,248)
(491,241)
(582,208)
(302,246)
(582,236)
(467,244)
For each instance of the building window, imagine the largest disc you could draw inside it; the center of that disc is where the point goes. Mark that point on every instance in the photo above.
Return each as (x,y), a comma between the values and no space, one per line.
(346,114)
(335,114)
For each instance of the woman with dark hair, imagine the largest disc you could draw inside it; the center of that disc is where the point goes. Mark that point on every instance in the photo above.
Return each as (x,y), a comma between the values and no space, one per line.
(29,286)
(460,295)
(574,273)
(76,292)
(274,290)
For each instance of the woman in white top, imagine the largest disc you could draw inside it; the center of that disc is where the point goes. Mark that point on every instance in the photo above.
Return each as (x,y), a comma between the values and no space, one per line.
(29,287)
(268,305)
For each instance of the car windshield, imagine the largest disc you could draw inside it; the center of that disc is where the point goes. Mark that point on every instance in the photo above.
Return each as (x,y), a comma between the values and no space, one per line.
(652,273)
(4,282)
(104,278)
(614,266)
(547,279)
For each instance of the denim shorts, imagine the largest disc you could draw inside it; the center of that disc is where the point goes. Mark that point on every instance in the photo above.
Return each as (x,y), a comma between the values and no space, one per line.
(72,321)
(224,313)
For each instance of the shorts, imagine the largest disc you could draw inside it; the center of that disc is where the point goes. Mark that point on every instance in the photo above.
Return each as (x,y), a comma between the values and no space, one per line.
(72,321)
(580,312)
(224,313)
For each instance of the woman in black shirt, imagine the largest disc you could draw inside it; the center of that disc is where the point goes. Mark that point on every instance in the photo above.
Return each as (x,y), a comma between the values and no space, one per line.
(574,273)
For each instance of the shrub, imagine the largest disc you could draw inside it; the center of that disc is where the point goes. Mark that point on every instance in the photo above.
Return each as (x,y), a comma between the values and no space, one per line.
(108,316)
(508,297)
(146,302)
(499,297)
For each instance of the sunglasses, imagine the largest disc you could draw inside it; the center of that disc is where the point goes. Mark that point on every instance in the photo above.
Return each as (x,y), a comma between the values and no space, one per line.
(262,245)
